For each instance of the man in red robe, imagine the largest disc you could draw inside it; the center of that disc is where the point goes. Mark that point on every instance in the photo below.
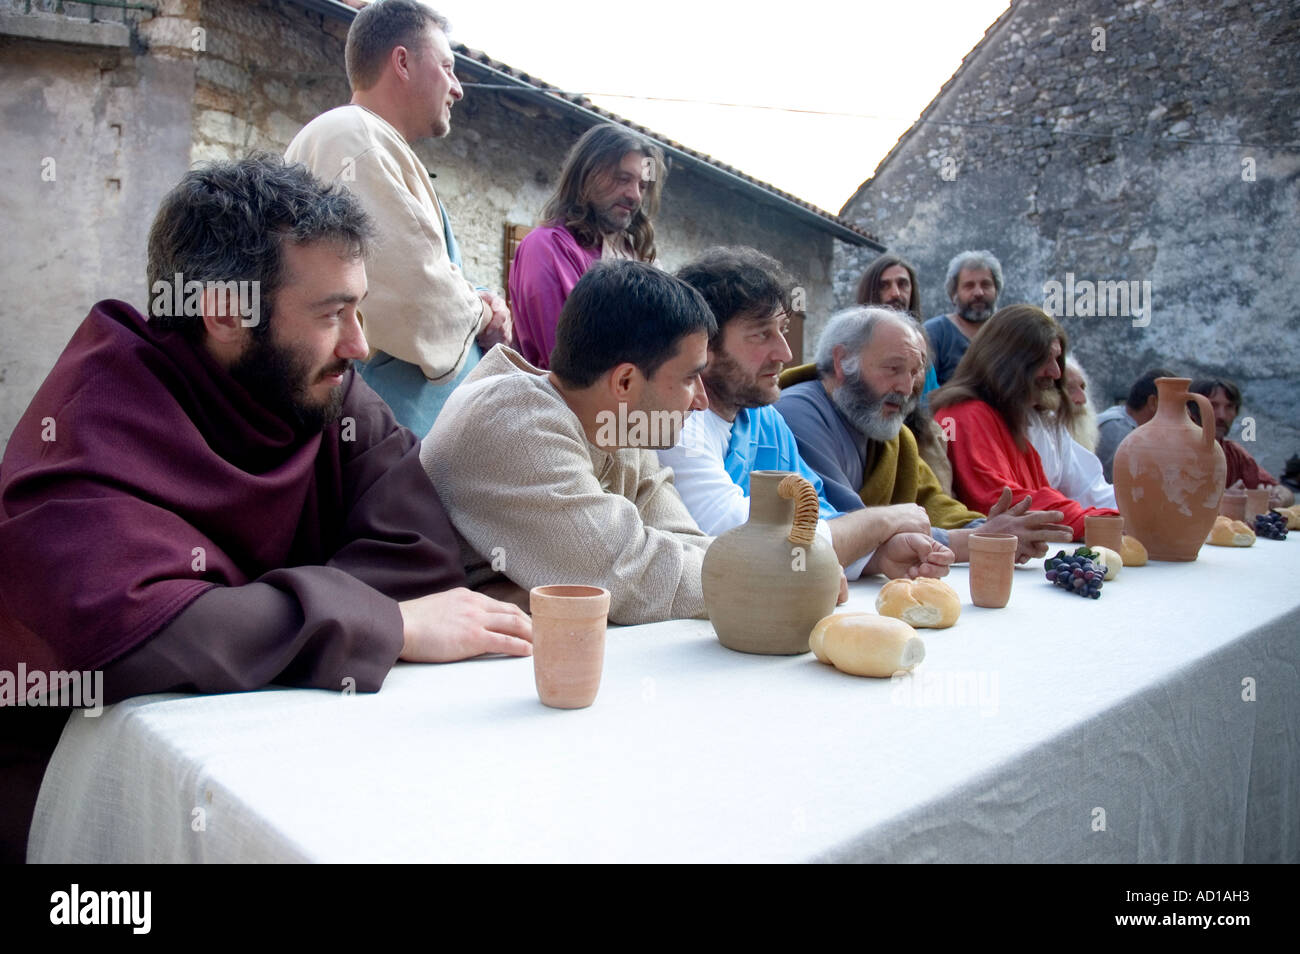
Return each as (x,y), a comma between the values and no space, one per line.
(210,499)
(1015,363)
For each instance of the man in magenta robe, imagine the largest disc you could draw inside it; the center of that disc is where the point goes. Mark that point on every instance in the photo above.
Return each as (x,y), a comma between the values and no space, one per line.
(603,207)
(210,499)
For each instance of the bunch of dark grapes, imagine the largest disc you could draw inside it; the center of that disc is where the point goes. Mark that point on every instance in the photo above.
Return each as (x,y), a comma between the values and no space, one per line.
(1271,525)
(1078,574)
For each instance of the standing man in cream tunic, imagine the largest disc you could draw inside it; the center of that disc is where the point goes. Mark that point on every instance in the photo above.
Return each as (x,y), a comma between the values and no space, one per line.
(427,325)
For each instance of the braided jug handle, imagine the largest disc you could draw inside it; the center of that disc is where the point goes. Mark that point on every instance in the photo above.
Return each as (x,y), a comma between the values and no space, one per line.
(806,508)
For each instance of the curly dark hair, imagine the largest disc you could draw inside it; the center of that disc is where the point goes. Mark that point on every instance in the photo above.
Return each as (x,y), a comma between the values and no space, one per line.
(738,282)
(226,221)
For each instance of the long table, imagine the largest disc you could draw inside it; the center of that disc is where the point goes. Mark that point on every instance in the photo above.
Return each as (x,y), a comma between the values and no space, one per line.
(1158,723)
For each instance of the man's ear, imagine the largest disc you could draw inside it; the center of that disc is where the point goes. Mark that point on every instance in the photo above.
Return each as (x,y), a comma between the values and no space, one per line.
(837,358)
(221,317)
(399,58)
(623,380)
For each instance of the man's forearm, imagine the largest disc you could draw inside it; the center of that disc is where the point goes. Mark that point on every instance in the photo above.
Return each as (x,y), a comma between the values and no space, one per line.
(309,626)
(857,534)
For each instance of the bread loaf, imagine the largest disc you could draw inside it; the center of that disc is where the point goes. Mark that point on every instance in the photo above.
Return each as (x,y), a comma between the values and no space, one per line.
(1292,515)
(922,602)
(863,644)
(1132,552)
(1230,533)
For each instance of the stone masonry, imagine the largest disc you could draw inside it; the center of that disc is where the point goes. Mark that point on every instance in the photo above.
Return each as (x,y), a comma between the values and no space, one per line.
(1136,141)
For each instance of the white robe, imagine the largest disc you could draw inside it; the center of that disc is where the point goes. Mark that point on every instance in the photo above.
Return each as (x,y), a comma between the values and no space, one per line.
(1070,467)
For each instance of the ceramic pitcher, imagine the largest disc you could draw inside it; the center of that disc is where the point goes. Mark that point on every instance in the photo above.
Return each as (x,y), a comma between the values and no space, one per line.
(1170,474)
(769,581)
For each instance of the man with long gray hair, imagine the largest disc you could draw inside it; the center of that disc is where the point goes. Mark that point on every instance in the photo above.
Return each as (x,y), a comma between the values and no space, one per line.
(603,207)
(973,284)
(847,413)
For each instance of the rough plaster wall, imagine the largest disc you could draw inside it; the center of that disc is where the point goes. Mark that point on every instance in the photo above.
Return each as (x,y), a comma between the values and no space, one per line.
(117,126)
(1221,253)
(125,125)
(270,68)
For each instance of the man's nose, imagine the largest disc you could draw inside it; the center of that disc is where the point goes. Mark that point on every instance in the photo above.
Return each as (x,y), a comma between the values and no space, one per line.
(352,343)
(701,401)
(783,352)
(457,92)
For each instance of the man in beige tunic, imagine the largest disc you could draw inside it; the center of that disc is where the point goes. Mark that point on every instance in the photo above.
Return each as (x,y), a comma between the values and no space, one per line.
(425,322)
(552,477)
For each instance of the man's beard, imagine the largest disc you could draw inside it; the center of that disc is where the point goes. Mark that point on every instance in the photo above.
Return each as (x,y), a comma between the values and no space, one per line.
(975,312)
(863,408)
(1047,398)
(607,223)
(727,384)
(278,377)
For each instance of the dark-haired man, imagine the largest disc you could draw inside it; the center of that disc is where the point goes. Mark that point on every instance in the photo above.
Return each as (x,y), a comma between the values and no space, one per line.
(602,207)
(1243,471)
(425,322)
(552,477)
(741,432)
(1116,423)
(209,500)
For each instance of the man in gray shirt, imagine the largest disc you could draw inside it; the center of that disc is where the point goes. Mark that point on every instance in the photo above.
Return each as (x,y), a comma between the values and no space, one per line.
(1116,423)
(973,284)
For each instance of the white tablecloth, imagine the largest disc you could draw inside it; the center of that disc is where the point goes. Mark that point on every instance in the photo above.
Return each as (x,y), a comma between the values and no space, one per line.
(1110,730)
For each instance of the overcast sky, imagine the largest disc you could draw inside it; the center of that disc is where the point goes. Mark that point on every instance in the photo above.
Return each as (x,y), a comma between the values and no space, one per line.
(880,62)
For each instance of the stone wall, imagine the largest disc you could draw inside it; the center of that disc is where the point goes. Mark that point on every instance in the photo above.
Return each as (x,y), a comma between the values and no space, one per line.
(94,136)
(1082,176)
(219,78)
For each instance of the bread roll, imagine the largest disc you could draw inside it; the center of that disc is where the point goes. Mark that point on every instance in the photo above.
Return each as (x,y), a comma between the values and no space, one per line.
(818,634)
(1110,561)
(1132,552)
(863,644)
(922,602)
(1230,533)
(1292,515)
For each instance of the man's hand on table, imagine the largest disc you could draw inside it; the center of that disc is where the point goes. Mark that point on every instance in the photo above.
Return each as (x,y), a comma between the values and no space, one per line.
(1034,529)
(910,555)
(459,623)
(857,533)
(500,329)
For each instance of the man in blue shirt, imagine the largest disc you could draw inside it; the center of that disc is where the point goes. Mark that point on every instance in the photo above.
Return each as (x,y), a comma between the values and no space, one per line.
(741,432)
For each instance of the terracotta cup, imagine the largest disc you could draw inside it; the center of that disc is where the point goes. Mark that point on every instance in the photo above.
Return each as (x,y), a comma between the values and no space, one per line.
(1256,503)
(1233,504)
(1105,532)
(568,643)
(992,563)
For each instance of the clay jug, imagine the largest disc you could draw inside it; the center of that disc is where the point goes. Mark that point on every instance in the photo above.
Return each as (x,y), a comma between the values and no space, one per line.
(1170,474)
(769,581)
